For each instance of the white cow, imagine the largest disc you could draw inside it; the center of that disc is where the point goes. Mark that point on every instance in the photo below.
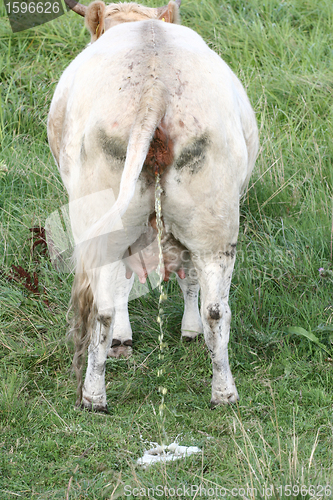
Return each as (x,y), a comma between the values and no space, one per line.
(150,95)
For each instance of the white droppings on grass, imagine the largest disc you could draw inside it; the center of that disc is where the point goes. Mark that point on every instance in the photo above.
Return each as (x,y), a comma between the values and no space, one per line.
(166,453)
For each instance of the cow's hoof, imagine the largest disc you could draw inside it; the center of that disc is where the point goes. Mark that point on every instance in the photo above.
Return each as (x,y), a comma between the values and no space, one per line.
(96,408)
(189,337)
(230,398)
(120,349)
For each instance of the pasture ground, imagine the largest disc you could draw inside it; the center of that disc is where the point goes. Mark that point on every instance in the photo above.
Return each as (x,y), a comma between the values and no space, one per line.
(281,347)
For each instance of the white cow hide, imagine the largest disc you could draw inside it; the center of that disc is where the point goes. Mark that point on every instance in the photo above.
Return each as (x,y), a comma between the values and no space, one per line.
(137,78)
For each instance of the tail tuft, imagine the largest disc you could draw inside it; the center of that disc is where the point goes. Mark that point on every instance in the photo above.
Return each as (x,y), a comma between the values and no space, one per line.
(84,313)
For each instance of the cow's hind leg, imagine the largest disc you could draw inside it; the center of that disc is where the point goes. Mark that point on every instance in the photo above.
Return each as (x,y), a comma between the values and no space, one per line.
(191,322)
(215,279)
(93,391)
(121,346)
(107,295)
(122,332)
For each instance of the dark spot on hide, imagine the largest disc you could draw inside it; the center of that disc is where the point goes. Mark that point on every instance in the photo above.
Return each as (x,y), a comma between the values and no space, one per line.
(214,311)
(193,156)
(229,254)
(112,146)
(104,320)
(232,252)
(160,154)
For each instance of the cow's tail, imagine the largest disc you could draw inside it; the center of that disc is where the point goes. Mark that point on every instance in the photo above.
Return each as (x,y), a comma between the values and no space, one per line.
(152,107)
(83,314)
(89,255)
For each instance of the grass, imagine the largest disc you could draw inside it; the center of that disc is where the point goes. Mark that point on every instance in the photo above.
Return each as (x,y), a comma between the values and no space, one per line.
(281,433)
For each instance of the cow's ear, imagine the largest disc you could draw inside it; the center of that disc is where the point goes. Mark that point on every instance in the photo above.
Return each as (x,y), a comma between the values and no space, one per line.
(95,19)
(169,13)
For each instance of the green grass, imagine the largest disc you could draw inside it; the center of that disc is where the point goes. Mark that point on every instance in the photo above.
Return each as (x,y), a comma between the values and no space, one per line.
(281,432)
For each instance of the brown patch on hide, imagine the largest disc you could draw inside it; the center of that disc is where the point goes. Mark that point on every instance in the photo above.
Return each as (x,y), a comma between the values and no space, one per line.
(160,154)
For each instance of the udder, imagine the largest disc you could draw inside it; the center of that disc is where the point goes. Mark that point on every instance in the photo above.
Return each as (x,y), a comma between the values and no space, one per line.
(142,257)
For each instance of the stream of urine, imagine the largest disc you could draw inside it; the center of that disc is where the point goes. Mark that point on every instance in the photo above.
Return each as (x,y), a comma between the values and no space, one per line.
(163,296)
(162,452)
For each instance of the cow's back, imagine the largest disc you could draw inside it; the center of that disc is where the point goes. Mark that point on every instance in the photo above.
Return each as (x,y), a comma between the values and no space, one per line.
(103,84)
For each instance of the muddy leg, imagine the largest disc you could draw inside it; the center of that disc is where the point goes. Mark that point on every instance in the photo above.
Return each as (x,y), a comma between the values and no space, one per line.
(191,322)
(215,279)
(93,391)
(107,297)
(122,332)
